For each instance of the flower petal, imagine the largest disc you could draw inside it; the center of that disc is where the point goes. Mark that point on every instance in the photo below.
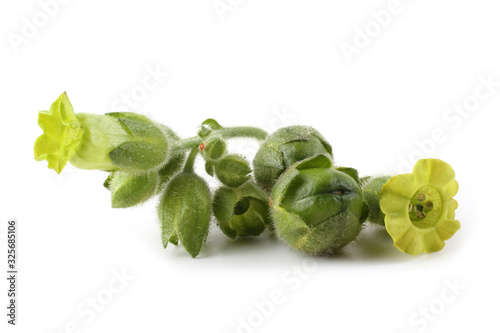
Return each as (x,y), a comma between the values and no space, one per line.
(402,185)
(391,203)
(410,242)
(62,134)
(433,171)
(447,228)
(432,241)
(449,190)
(397,226)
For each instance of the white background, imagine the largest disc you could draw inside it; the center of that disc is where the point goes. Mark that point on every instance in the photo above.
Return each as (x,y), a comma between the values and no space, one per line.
(266,64)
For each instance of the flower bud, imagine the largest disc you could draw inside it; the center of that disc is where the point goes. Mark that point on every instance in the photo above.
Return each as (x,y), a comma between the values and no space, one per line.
(128,189)
(315,208)
(213,148)
(232,170)
(371,193)
(208,126)
(112,142)
(242,211)
(285,147)
(185,211)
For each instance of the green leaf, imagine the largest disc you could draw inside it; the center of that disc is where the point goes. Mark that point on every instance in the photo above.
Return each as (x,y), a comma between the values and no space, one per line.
(233,170)
(185,211)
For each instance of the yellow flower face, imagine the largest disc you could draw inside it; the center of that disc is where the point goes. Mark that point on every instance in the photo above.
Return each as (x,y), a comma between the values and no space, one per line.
(62,133)
(419,207)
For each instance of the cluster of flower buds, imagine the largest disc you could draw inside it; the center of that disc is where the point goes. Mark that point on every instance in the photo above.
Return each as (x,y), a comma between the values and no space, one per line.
(294,189)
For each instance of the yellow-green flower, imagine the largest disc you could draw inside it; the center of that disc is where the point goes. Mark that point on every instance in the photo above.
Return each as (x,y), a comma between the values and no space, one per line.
(419,207)
(118,141)
(62,134)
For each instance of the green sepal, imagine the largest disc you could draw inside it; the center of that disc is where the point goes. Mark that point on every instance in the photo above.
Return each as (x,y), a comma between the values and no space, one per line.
(207,127)
(371,195)
(212,124)
(148,150)
(214,148)
(185,211)
(285,147)
(210,168)
(318,161)
(268,166)
(175,160)
(128,189)
(107,182)
(315,208)
(172,167)
(364,180)
(295,232)
(351,172)
(242,211)
(232,170)
(137,156)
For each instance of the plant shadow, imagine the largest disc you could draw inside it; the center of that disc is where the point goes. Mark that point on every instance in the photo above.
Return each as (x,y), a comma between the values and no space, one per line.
(373,244)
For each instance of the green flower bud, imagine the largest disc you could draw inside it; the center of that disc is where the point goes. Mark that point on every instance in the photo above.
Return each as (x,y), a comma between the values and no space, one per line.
(315,208)
(208,126)
(285,147)
(213,148)
(232,170)
(371,193)
(111,142)
(242,211)
(129,189)
(185,211)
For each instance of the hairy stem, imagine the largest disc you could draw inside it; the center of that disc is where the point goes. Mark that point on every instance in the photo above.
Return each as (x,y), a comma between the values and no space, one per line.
(188,167)
(228,132)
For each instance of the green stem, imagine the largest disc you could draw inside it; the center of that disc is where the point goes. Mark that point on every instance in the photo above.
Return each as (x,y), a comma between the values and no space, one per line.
(188,167)
(188,143)
(242,131)
(228,132)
